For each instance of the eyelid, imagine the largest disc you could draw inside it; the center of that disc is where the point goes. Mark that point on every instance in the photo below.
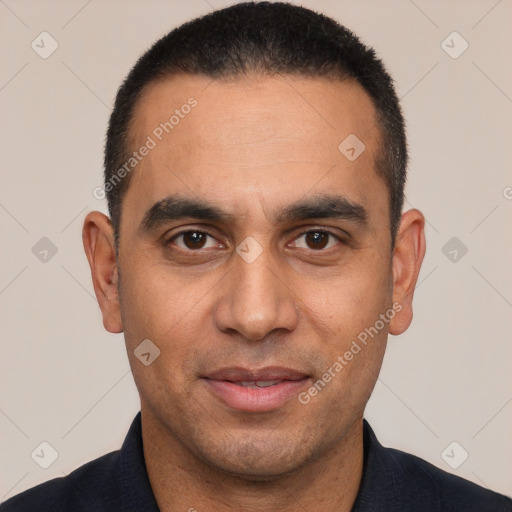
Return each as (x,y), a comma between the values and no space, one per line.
(337,232)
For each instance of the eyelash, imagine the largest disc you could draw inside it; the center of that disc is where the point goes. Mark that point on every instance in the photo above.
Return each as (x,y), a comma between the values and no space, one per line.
(208,233)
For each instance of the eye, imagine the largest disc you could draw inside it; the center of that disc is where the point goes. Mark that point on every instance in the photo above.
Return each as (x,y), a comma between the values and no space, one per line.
(193,240)
(316,240)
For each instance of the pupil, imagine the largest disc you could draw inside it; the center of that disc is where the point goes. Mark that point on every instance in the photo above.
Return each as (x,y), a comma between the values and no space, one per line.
(194,239)
(317,239)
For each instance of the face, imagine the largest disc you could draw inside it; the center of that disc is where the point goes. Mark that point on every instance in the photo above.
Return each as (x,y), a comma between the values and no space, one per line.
(256,255)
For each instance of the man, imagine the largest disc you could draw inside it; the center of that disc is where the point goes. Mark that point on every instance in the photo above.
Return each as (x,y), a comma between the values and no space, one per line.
(256,258)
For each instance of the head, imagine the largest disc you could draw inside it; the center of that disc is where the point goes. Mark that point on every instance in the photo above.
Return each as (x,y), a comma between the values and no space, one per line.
(258,232)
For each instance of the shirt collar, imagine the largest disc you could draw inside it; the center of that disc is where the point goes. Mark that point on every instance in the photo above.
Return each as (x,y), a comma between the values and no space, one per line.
(136,491)
(380,487)
(387,484)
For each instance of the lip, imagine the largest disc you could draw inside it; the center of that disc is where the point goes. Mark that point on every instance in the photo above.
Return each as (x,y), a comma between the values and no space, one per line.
(238,374)
(225,385)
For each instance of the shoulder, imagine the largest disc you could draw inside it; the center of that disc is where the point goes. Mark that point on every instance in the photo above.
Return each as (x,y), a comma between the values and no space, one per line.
(117,481)
(424,482)
(87,488)
(398,481)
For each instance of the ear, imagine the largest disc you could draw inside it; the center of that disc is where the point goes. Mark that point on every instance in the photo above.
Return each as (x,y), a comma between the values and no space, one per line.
(98,239)
(407,258)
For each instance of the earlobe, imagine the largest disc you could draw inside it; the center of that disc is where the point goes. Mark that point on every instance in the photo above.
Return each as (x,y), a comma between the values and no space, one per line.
(407,259)
(98,240)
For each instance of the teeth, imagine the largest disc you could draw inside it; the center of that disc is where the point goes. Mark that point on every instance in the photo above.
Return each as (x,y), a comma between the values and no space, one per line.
(258,384)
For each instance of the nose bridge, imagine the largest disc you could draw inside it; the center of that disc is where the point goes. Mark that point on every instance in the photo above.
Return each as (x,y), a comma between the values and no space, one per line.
(256,301)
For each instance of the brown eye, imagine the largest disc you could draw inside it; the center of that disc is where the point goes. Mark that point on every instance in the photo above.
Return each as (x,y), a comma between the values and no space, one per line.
(194,240)
(317,239)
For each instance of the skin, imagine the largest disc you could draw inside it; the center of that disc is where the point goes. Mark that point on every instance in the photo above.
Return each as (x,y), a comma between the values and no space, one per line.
(252,147)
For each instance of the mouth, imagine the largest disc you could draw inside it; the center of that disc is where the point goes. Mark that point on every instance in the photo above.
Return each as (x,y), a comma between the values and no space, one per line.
(257,384)
(257,390)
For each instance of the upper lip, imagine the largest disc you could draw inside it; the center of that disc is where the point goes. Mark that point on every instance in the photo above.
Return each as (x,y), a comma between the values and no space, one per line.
(240,374)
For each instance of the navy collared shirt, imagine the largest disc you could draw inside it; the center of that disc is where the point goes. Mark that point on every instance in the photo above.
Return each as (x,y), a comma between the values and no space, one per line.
(393,481)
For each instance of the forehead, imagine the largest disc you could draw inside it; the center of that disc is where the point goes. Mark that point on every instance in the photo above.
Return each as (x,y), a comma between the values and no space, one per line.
(273,137)
(262,106)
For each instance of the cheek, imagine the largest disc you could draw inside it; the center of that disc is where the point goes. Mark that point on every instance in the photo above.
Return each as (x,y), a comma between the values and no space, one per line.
(153,309)
(154,300)
(349,300)
(170,309)
(352,338)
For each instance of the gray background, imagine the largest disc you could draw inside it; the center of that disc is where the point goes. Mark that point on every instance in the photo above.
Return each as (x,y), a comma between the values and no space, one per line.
(66,381)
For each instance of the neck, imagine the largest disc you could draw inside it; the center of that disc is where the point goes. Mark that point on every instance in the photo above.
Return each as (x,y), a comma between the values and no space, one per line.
(181,481)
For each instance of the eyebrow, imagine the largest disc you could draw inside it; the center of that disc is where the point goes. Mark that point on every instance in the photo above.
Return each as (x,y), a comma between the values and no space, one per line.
(174,208)
(325,207)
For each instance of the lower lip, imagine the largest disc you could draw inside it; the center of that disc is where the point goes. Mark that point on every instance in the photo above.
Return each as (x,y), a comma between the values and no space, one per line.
(256,400)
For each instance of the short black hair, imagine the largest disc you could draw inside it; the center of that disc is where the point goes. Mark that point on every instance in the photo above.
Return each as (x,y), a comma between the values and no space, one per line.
(262,38)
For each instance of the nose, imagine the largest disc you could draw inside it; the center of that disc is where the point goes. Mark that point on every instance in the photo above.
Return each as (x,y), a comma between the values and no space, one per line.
(255,299)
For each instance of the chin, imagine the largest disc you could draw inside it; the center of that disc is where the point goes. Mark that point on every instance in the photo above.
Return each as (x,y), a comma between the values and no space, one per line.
(257,460)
